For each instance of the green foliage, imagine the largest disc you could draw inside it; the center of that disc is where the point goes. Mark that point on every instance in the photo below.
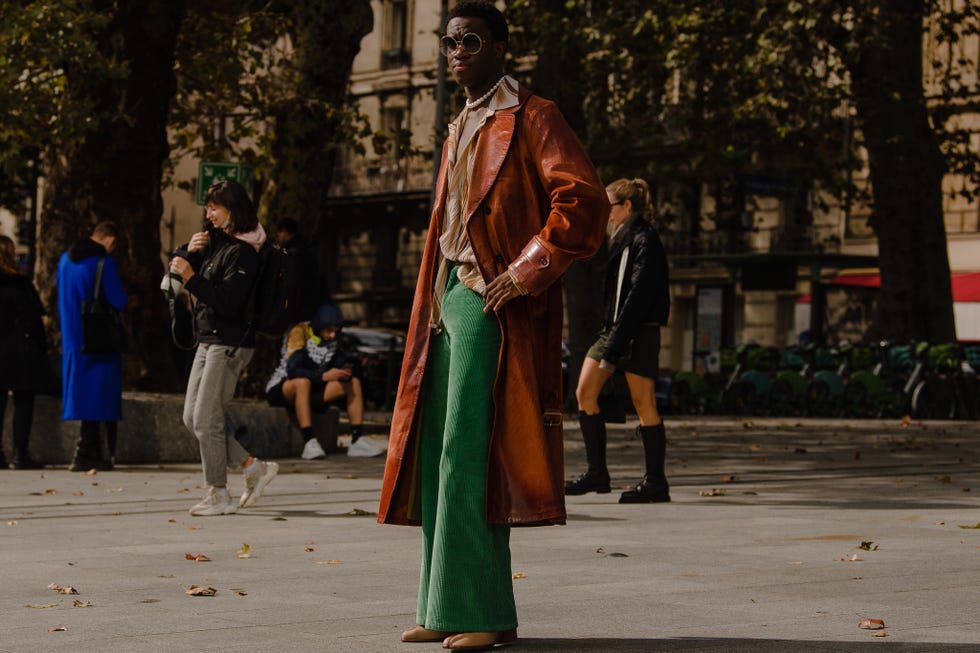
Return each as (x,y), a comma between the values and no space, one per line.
(707,89)
(241,66)
(41,43)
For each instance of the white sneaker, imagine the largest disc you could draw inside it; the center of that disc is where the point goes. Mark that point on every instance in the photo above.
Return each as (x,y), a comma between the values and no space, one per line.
(312,450)
(256,480)
(365,448)
(215,502)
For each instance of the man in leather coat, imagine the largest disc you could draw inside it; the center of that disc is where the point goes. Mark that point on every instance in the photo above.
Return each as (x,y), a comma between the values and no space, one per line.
(476,440)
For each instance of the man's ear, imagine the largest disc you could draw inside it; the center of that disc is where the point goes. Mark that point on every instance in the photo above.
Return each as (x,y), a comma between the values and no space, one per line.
(499,50)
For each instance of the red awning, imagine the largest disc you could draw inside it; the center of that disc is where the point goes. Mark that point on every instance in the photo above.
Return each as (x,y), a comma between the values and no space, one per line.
(966,285)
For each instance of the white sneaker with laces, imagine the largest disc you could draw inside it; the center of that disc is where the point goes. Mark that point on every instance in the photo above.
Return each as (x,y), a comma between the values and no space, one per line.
(215,502)
(257,476)
(312,450)
(365,448)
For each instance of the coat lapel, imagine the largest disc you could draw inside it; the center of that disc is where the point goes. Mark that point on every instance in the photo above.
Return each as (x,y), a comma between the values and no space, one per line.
(491,150)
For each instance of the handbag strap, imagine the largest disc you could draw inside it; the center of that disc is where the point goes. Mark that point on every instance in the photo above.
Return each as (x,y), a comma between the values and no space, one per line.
(98,278)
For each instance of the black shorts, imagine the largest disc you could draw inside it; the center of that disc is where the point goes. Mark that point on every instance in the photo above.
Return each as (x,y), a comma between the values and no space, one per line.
(642,355)
(275,397)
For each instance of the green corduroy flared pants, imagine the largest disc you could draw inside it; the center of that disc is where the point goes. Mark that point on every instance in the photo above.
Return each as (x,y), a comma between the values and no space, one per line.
(466,583)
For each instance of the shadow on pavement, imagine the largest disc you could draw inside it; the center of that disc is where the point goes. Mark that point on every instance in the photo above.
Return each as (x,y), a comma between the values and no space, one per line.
(735,645)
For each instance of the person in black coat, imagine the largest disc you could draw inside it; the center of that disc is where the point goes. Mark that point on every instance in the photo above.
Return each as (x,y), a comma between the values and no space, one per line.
(23,350)
(218,268)
(636,304)
(309,289)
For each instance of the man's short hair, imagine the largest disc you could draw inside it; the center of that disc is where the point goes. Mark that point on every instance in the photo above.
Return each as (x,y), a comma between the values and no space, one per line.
(492,16)
(288,225)
(106,229)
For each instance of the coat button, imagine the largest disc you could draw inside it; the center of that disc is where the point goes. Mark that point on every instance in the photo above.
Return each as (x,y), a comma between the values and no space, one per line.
(498,258)
(543,262)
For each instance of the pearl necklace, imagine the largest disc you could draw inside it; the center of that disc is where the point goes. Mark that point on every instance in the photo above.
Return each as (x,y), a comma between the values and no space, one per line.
(470,104)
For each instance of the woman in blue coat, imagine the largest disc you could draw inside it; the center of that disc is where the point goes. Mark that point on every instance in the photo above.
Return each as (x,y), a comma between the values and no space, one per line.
(91,386)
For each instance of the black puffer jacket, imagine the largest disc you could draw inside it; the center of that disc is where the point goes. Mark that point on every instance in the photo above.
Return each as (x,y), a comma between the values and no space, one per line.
(22,341)
(226,271)
(645,295)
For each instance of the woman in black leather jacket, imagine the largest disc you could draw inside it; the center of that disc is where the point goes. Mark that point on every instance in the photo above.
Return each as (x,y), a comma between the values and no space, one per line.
(219,271)
(636,304)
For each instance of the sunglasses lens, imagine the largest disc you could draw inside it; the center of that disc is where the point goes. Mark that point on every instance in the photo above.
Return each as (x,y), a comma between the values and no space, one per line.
(447,45)
(472,43)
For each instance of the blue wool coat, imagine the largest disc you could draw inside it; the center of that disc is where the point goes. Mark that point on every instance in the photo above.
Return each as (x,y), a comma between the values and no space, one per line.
(91,384)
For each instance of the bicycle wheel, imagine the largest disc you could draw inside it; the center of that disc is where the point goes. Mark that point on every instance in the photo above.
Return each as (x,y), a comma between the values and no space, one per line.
(933,399)
(680,398)
(857,400)
(819,403)
(781,399)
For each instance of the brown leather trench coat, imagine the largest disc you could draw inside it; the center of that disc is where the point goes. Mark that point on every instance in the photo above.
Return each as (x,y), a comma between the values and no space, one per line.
(535,204)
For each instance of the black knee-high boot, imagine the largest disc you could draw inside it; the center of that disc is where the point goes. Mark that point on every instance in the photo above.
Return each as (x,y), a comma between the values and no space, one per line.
(653,488)
(596,476)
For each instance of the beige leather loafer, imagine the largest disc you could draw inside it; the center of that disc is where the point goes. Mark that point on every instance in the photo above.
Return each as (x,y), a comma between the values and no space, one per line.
(479,641)
(423,634)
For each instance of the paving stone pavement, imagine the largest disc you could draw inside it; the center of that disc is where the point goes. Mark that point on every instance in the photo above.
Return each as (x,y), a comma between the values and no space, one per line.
(760,550)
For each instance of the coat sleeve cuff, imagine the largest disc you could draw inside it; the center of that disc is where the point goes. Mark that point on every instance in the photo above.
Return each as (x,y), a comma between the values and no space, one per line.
(537,267)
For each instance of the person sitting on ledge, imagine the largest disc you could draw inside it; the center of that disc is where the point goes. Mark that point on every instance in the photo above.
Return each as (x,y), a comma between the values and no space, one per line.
(313,368)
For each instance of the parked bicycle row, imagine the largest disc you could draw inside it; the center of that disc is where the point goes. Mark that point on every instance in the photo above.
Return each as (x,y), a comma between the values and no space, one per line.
(884,380)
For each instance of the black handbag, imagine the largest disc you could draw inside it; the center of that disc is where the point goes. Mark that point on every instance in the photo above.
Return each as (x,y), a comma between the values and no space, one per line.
(103,331)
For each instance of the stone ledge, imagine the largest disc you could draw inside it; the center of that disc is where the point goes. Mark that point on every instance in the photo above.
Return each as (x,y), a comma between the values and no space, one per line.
(152,430)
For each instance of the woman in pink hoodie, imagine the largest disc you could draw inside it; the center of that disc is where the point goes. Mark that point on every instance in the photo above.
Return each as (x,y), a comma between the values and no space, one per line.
(219,272)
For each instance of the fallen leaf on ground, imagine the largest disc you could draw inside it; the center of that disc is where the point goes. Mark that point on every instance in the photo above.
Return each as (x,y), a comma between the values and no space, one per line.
(328,562)
(41,606)
(615,554)
(200,557)
(729,479)
(115,489)
(171,521)
(872,624)
(309,549)
(357,512)
(977,525)
(869,546)
(245,551)
(67,589)
(851,558)
(57,629)
(241,593)
(12,522)
(92,472)
(81,604)
(880,633)
(518,575)
(600,550)
(714,492)
(194,590)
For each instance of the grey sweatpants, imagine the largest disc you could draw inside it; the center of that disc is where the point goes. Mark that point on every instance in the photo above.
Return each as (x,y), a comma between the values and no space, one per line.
(210,387)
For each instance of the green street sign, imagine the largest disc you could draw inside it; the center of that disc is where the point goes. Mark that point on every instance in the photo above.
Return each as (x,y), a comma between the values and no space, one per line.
(209,172)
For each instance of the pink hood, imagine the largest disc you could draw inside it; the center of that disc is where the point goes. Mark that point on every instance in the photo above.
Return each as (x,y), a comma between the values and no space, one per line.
(255,238)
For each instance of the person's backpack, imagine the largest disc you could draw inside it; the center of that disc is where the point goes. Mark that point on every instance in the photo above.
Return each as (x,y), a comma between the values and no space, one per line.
(274,291)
